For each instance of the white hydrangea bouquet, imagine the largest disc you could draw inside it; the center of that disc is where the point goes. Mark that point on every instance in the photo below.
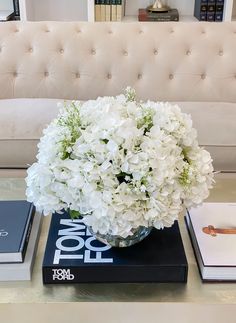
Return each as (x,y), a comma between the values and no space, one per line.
(120,164)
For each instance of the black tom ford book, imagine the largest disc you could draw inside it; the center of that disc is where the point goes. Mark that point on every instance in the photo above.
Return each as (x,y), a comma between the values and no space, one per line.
(16,218)
(73,255)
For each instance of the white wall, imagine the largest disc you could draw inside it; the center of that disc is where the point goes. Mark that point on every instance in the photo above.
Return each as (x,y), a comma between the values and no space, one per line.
(6,4)
(60,10)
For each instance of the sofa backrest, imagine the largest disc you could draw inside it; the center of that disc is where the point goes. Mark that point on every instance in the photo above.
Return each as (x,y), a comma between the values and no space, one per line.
(80,60)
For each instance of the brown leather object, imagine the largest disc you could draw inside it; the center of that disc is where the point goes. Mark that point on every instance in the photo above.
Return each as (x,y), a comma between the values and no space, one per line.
(211,230)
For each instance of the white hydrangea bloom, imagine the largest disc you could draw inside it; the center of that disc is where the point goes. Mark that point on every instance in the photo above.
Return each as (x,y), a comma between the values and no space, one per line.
(120,164)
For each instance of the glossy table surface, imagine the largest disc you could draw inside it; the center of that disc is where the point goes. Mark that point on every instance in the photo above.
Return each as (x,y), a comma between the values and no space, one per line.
(193,292)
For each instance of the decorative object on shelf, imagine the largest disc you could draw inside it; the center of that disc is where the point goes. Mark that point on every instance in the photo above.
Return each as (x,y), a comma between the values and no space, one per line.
(159,6)
(120,164)
(170,15)
(159,11)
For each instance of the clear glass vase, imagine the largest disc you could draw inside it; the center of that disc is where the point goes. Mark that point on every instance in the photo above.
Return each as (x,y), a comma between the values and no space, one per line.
(117,241)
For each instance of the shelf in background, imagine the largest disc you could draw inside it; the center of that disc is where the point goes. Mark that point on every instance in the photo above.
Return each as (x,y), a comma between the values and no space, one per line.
(84,9)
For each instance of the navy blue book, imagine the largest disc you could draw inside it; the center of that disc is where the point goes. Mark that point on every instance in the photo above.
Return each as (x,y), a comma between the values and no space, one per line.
(200,9)
(219,10)
(73,255)
(210,16)
(16,219)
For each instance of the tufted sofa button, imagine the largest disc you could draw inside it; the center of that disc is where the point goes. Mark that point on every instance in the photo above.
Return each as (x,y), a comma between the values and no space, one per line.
(93,51)
(140,76)
(46,74)
(140,31)
(171,76)
(15,74)
(30,50)
(16,30)
(172,31)
(155,51)
(77,75)
(203,76)
(203,32)
(125,53)
(221,53)
(188,52)
(109,76)
(61,50)
(110,32)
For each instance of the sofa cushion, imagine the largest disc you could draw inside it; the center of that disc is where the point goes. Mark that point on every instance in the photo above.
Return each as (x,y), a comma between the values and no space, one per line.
(22,122)
(21,125)
(216,127)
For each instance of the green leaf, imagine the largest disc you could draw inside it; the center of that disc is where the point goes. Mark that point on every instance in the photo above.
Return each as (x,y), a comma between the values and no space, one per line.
(105,141)
(74,214)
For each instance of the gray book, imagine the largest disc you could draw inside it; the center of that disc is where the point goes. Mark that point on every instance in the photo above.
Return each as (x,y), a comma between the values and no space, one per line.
(23,271)
(16,219)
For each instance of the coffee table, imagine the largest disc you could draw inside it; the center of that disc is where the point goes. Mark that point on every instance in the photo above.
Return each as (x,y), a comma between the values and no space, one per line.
(31,301)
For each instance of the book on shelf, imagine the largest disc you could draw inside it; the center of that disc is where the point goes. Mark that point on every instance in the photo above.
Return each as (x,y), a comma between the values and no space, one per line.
(219,10)
(103,10)
(120,10)
(211,10)
(200,9)
(212,229)
(113,10)
(170,15)
(211,4)
(97,10)
(6,15)
(16,9)
(73,255)
(107,10)
(210,16)
(16,219)
(23,270)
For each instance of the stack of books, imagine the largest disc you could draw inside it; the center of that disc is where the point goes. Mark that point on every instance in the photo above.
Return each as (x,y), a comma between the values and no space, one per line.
(209,10)
(170,15)
(19,234)
(109,10)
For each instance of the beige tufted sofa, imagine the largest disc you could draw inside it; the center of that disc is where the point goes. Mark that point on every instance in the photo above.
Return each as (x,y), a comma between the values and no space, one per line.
(41,63)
